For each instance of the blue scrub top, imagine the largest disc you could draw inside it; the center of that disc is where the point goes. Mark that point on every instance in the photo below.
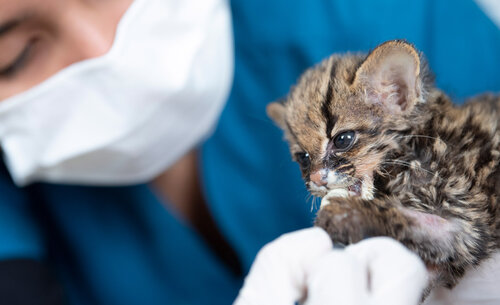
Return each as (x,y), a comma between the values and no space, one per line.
(122,246)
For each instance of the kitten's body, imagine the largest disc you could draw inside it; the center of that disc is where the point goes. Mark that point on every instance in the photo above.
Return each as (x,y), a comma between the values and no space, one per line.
(419,169)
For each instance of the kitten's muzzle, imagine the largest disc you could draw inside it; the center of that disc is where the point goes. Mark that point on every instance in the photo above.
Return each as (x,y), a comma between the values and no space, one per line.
(324,181)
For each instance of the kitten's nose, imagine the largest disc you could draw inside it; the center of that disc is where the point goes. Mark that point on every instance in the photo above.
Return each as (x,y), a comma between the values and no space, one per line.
(319,177)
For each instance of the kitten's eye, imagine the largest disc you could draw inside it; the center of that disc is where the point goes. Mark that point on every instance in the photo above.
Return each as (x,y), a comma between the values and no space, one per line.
(303,159)
(343,140)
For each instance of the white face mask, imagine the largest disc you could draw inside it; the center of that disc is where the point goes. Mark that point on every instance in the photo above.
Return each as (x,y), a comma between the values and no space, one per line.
(123,118)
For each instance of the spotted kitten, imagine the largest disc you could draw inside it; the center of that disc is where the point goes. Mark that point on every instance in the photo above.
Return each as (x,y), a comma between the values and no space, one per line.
(392,156)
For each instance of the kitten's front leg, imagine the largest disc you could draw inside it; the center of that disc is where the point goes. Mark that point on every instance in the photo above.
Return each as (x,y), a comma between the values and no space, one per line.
(349,220)
(439,242)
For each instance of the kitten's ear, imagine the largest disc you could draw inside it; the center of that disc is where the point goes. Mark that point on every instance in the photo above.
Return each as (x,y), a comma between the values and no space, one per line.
(390,76)
(276,111)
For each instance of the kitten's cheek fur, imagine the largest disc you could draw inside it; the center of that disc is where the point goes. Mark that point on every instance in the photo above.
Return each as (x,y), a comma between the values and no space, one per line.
(333,179)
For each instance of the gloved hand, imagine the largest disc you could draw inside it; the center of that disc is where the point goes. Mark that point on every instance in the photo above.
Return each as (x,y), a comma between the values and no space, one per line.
(479,286)
(303,266)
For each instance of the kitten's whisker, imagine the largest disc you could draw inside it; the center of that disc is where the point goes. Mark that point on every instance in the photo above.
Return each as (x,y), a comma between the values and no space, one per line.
(310,197)
(410,165)
(419,136)
(314,201)
(425,136)
(385,172)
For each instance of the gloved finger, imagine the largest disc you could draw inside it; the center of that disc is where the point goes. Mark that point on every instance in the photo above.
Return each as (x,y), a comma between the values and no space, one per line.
(277,275)
(397,276)
(337,278)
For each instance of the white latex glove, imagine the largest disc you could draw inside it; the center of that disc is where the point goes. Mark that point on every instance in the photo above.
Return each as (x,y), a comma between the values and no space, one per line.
(479,286)
(303,266)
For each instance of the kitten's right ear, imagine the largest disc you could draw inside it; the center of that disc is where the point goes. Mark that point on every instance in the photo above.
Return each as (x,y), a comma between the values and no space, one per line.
(276,111)
(390,76)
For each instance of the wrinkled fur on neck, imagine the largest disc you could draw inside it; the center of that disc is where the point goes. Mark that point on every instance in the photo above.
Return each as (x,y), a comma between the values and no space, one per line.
(420,169)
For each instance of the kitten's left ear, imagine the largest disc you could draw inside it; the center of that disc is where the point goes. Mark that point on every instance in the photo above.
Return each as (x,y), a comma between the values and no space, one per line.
(276,111)
(390,76)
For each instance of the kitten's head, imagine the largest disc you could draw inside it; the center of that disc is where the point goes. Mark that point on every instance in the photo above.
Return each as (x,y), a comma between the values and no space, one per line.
(335,119)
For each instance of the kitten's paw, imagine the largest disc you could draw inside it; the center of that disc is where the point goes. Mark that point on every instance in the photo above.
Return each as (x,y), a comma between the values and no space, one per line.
(343,223)
(335,193)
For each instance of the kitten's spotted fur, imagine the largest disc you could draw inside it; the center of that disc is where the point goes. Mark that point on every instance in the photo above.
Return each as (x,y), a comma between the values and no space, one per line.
(395,157)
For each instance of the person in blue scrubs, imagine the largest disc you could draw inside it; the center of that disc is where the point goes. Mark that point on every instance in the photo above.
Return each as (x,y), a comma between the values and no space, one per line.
(144,244)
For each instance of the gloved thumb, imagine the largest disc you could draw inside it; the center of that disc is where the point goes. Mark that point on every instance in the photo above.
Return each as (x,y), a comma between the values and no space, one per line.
(278,275)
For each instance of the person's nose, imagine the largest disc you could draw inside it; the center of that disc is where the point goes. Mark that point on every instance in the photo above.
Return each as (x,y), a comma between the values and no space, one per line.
(87,38)
(319,177)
